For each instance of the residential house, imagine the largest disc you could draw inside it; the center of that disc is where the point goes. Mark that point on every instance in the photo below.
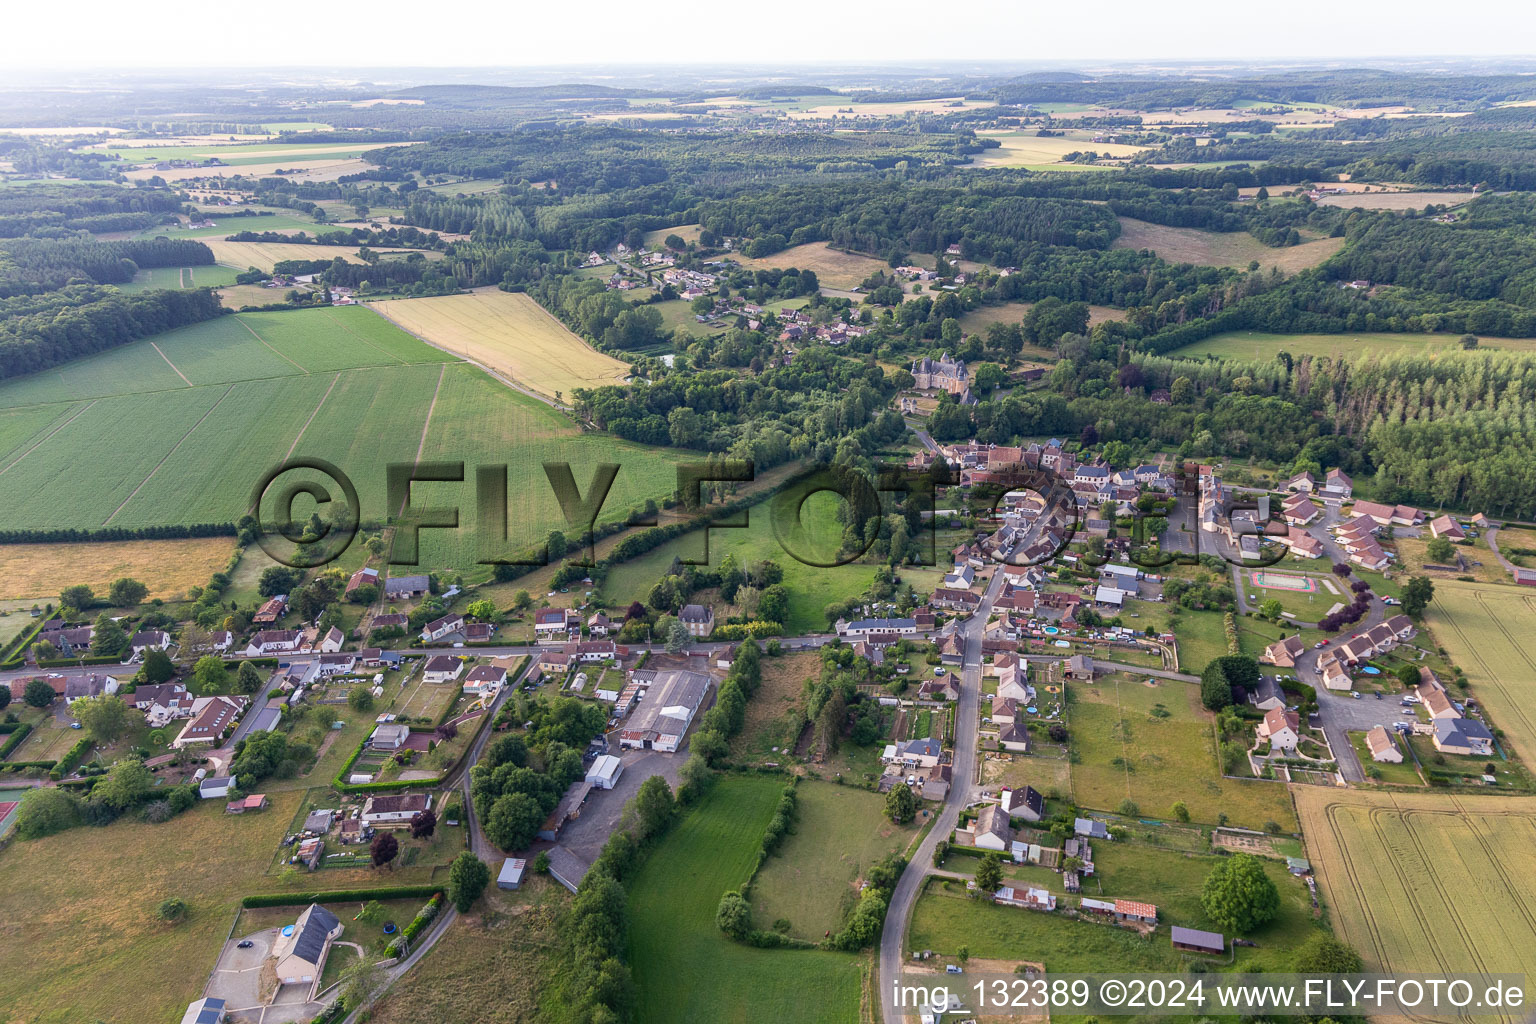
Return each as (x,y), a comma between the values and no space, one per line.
(1284,652)
(485,681)
(942,688)
(93,685)
(1005,710)
(1450,529)
(69,642)
(993,829)
(300,949)
(1282,729)
(598,624)
(698,619)
(442,668)
(867,627)
(1337,484)
(395,809)
(1014,737)
(362,578)
(390,620)
(1302,482)
(401,588)
(148,640)
(161,702)
(271,611)
(335,665)
(274,641)
(211,716)
(389,736)
(332,641)
(916,753)
(1465,736)
(1335,675)
(1026,803)
(1383,748)
(438,628)
(553,625)
(1301,512)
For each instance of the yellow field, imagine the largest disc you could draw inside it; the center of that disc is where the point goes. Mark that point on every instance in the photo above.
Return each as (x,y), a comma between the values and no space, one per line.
(511,334)
(263,255)
(834,269)
(167,567)
(1486,630)
(1423,883)
(1221,248)
(687,232)
(1024,149)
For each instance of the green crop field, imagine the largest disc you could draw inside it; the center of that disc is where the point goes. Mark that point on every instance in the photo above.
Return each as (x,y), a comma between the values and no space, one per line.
(213,276)
(178,428)
(684,967)
(1425,882)
(1486,630)
(1155,745)
(224,226)
(1258,345)
(811,587)
(839,832)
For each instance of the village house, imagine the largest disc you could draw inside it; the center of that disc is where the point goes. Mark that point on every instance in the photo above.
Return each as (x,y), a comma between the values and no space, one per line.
(162,702)
(438,628)
(698,619)
(442,668)
(332,641)
(485,681)
(148,640)
(598,624)
(93,685)
(554,625)
(1284,652)
(1465,736)
(274,641)
(914,753)
(211,716)
(362,578)
(1281,728)
(271,611)
(394,810)
(1337,484)
(300,950)
(993,830)
(1025,803)
(1450,529)
(1383,748)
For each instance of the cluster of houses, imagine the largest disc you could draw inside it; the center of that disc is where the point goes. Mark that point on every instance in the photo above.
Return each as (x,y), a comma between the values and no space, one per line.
(795,325)
(1335,663)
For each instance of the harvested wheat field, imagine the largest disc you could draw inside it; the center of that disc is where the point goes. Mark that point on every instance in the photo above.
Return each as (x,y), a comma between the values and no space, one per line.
(1424,883)
(510,333)
(1221,248)
(263,255)
(167,567)
(834,268)
(1397,200)
(1486,630)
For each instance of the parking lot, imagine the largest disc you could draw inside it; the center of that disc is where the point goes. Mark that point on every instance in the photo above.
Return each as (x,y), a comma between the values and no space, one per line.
(237,980)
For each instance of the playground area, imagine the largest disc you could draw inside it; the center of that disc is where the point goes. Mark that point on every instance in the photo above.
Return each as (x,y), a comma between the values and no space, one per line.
(1283,581)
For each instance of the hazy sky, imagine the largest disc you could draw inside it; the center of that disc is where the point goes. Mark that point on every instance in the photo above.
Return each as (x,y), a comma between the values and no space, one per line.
(110,33)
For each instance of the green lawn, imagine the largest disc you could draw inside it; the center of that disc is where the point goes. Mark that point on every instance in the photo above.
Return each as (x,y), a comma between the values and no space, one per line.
(1154,745)
(839,832)
(685,969)
(1404,774)
(1202,636)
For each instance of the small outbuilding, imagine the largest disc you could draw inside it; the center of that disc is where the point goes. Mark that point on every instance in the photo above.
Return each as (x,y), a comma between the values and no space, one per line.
(511,876)
(1193,940)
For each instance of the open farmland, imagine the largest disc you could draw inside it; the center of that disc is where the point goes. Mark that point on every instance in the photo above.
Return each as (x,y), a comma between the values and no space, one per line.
(181,278)
(1221,248)
(684,967)
(834,268)
(1486,630)
(166,567)
(1262,346)
(149,432)
(512,335)
(1396,200)
(1026,149)
(840,832)
(263,255)
(1154,745)
(1426,883)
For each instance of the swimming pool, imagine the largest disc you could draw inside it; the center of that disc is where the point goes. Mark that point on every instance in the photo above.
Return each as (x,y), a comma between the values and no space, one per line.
(1051,630)
(1371,670)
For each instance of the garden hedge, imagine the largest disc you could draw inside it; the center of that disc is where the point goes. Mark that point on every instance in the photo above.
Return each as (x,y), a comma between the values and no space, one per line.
(294,899)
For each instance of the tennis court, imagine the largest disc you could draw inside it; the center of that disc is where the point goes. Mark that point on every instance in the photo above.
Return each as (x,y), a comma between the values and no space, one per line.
(1283,581)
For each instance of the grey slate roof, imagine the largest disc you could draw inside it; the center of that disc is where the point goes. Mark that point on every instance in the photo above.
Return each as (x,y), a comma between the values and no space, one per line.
(310,942)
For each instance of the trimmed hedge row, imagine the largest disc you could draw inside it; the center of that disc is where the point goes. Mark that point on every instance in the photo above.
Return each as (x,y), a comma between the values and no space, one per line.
(14,740)
(294,899)
(400,943)
(70,759)
(11,653)
(93,659)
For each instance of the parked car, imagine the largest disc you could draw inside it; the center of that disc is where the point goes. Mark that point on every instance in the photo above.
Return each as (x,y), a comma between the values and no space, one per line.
(952,969)
(244,944)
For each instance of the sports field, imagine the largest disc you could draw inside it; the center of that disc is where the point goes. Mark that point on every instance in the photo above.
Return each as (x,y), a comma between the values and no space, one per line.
(179,428)
(1221,248)
(1283,581)
(685,969)
(1486,630)
(510,333)
(1426,883)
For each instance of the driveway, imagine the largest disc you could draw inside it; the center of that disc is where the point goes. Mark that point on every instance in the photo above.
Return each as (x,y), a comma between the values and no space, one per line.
(237,976)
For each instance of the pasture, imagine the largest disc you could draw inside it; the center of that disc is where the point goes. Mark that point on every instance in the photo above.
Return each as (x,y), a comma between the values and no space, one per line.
(1259,345)
(90,932)
(167,567)
(1486,631)
(1155,745)
(834,268)
(839,832)
(222,225)
(512,335)
(263,255)
(1425,882)
(335,383)
(181,278)
(1222,248)
(684,967)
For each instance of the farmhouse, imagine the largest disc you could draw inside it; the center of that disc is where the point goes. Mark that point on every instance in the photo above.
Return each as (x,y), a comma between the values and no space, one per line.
(1465,736)
(1281,728)
(362,578)
(698,619)
(667,710)
(398,588)
(271,611)
(210,717)
(442,668)
(301,948)
(398,809)
(1450,529)
(1382,747)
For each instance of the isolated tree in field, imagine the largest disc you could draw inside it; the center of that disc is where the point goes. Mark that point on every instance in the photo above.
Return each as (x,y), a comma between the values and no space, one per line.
(423,824)
(125,592)
(1238,895)
(1324,954)
(734,915)
(171,909)
(158,667)
(78,597)
(1417,593)
(1180,811)
(1271,609)
(900,804)
(467,879)
(210,675)
(105,717)
(989,873)
(360,698)
(1440,549)
(248,678)
(385,847)
(39,693)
